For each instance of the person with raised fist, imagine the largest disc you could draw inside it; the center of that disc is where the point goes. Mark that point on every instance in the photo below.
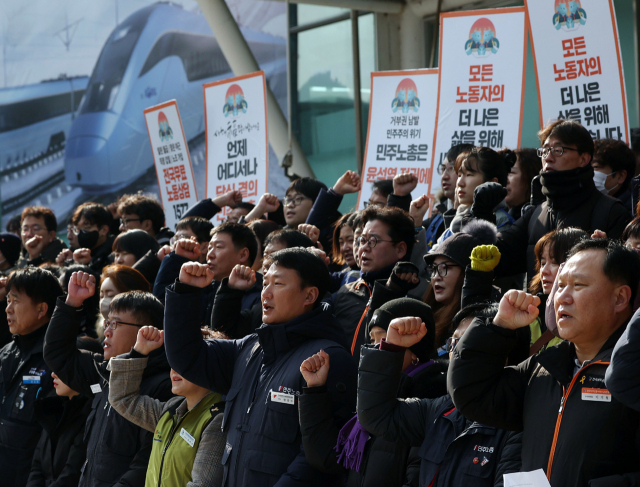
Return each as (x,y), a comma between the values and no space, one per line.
(117,450)
(573,428)
(448,441)
(188,442)
(259,374)
(38,232)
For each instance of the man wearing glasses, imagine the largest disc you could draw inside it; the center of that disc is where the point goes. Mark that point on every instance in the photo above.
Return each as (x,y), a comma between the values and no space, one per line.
(38,232)
(572,199)
(144,212)
(117,450)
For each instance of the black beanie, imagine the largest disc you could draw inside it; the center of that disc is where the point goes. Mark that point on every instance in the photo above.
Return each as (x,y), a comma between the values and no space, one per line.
(136,242)
(408,308)
(10,245)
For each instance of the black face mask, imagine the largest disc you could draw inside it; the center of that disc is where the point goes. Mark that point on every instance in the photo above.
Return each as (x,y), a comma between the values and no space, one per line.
(88,240)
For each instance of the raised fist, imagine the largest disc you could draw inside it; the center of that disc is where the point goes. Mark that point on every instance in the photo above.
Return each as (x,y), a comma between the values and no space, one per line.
(196,274)
(149,339)
(406,332)
(418,209)
(404,277)
(63,256)
(230,198)
(485,258)
(189,249)
(163,252)
(35,245)
(82,285)
(349,182)
(310,231)
(316,369)
(242,278)
(517,309)
(404,183)
(82,256)
(485,198)
(320,253)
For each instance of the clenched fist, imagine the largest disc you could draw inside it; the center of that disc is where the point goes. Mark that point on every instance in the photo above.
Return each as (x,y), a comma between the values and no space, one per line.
(406,332)
(242,278)
(315,369)
(196,274)
(149,339)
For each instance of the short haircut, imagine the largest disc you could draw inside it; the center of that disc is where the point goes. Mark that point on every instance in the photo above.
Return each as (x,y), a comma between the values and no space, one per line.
(290,238)
(245,205)
(241,236)
(313,272)
(94,213)
(308,187)
(144,306)
(384,187)
(337,256)
(569,132)
(137,242)
(125,278)
(200,226)
(355,220)
(146,207)
(262,229)
(41,212)
(621,264)
(530,166)
(560,243)
(13,225)
(489,162)
(401,226)
(617,155)
(475,310)
(456,150)
(39,284)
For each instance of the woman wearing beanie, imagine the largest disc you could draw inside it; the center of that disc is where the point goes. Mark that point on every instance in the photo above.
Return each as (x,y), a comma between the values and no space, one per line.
(368,460)
(137,249)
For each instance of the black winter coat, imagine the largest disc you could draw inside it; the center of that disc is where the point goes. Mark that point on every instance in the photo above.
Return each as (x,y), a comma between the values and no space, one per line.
(49,254)
(25,380)
(573,436)
(623,374)
(571,201)
(117,450)
(384,462)
(453,450)
(61,452)
(324,214)
(263,435)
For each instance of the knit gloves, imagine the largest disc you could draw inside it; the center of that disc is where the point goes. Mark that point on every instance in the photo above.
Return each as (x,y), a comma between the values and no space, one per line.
(485,258)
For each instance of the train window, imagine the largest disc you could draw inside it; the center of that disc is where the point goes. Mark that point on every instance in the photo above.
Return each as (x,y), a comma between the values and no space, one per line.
(113,62)
(200,55)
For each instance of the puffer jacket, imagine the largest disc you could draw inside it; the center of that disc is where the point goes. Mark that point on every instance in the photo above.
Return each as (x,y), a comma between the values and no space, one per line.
(453,450)
(117,450)
(260,377)
(572,428)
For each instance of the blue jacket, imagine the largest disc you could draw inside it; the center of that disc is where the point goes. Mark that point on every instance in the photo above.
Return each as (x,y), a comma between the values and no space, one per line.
(263,436)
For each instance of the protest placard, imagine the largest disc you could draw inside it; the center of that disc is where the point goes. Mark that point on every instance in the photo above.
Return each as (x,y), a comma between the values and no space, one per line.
(481,86)
(402,116)
(576,52)
(237,143)
(172,161)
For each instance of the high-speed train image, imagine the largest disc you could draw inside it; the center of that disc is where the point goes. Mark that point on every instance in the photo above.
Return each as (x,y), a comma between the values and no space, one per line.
(159,53)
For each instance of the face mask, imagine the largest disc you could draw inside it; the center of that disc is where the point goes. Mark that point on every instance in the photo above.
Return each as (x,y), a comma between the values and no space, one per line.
(104,307)
(88,240)
(599,178)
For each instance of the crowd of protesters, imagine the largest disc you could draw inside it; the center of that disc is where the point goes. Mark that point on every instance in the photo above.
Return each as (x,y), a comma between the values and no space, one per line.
(293,345)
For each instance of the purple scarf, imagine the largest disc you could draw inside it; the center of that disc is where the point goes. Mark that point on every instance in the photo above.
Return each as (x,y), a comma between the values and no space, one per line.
(353,438)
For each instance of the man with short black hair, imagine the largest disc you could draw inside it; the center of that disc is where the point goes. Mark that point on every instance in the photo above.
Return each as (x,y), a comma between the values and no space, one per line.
(572,199)
(24,376)
(144,212)
(573,429)
(260,374)
(41,245)
(117,450)
(239,211)
(193,227)
(299,199)
(615,162)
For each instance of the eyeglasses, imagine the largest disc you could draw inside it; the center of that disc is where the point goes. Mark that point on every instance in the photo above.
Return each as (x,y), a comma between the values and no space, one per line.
(175,238)
(125,221)
(113,324)
(76,230)
(451,343)
(445,168)
(32,228)
(297,201)
(557,151)
(370,241)
(440,269)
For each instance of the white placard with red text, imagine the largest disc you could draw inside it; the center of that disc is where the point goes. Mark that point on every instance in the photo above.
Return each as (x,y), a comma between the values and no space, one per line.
(481,87)
(237,140)
(172,161)
(402,115)
(578,66)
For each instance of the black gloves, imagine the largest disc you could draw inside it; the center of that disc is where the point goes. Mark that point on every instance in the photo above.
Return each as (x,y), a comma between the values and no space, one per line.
(485,198)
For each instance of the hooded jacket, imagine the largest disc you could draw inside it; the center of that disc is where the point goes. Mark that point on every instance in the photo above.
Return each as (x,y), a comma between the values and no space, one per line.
(263,435)
(61,452)
(117,450)
(25,380)
(572,428)
(572,200)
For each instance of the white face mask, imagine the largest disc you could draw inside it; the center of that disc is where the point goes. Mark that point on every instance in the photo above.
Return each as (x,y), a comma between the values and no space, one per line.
(599,178)
(104,307)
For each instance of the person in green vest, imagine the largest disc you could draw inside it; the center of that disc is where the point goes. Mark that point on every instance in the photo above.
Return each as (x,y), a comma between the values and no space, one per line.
(188,442)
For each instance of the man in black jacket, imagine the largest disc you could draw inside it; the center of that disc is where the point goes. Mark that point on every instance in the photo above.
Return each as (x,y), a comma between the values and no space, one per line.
(25,379)
(117,450)
(572,199)
(38,232)
(572,427)
(259,374)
